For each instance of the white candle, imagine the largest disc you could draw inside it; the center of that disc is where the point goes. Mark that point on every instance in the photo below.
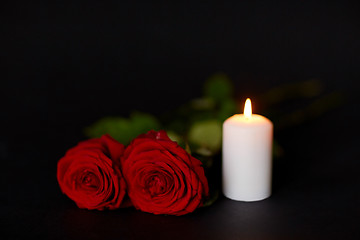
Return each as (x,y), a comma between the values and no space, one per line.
(247,156)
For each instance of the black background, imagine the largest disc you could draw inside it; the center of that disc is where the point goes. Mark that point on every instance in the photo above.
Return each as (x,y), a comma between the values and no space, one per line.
(65,65)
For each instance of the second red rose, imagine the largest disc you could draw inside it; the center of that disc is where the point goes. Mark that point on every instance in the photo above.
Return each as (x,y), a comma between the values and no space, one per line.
(162,177)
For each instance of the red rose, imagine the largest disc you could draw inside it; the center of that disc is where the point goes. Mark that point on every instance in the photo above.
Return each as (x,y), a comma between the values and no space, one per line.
(162,177)
(89,174)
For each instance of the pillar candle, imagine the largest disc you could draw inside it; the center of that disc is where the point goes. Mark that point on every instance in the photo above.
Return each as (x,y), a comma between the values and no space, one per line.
(247,156)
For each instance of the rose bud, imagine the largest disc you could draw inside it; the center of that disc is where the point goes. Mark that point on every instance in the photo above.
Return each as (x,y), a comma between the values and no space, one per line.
(162,177)
(90,175)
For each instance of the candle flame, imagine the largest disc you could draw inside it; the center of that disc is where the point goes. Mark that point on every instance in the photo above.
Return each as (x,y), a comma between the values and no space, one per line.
(247,108)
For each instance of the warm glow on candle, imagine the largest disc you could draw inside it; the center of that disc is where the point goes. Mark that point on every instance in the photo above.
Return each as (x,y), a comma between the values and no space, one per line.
(247,108)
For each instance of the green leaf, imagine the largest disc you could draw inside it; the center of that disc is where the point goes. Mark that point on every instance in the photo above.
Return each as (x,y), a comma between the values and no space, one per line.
(206,159)
(227,109)
(218,87)
(212,199)
(206,134)
(187,148)
(119,128)
(173,136)
(123,129)
(142,123)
